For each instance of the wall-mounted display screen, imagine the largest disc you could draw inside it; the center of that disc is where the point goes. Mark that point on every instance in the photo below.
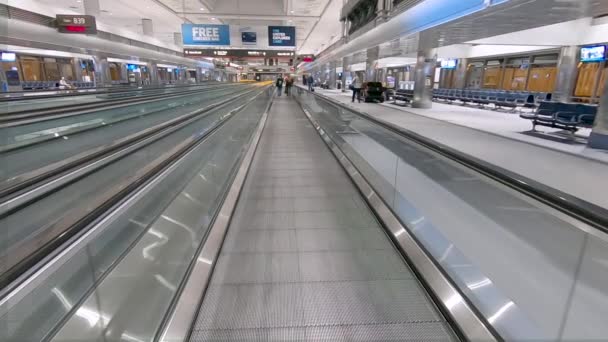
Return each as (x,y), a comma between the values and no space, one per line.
(85,24)
(448,64)
(9,57)
(249,38)
(281,36)
(228,53)
(593,53)
(205,34)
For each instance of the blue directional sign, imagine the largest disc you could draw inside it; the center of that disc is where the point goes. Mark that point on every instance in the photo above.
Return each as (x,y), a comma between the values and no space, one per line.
(281,36)
(203,34)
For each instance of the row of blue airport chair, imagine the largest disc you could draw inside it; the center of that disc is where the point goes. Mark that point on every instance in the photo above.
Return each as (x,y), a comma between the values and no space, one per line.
(566,116)
(499,98)
(53,85)
(405,95)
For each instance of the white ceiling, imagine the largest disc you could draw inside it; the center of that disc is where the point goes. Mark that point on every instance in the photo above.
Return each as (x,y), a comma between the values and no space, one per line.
(316,21)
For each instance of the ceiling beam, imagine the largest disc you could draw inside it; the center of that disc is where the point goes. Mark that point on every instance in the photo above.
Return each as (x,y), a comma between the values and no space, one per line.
(170,10)
(250,16)
(314,26)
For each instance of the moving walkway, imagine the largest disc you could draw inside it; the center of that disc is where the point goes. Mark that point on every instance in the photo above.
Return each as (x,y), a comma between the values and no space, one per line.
(316,224)
(13,109)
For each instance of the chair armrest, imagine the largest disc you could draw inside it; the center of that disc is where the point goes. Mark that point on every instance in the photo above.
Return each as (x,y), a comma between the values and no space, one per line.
(572,116)
(544,112)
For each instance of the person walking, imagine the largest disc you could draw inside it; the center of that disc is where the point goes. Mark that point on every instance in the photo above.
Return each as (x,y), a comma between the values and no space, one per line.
(288,85)
(310,81)
(356,86)
(279,85)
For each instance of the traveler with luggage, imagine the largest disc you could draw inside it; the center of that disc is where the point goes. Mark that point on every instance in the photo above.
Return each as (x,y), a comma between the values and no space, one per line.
(279,85)
(356,86)
(288,85)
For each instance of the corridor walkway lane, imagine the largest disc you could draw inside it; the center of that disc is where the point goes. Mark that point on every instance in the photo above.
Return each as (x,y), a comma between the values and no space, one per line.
(304,258)
(578,176)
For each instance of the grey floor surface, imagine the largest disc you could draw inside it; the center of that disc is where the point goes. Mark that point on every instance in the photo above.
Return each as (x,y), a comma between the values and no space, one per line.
(304,259)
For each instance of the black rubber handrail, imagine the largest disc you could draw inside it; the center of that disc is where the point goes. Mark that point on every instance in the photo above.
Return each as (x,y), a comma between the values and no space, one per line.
(92,91)
(582,210)
(99,153)
(23,115)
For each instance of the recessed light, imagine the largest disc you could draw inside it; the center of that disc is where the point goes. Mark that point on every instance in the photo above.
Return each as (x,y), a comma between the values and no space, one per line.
(202,9)
(212,18)
(291,11)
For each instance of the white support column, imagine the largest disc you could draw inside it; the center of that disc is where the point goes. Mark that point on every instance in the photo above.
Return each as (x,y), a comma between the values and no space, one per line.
(424,77)
(153,71)
(567,73)
(332,74)
(102,72)
(91,7)
(177,38)
(344,70)
(599,134)
(147,27)
(460,78)
(371,63)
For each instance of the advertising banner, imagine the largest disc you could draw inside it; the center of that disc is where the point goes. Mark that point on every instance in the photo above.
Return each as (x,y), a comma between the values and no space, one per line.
(249,38)
(281,36)
(204,34)
(238,53)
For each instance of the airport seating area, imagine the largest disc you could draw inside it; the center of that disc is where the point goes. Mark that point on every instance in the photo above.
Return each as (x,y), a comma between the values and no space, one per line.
(53,85)
(497,98)
(405,95)
(566,116)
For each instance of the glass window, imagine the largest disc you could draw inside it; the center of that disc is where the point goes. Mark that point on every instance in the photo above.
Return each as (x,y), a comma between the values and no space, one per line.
(474,73)
(515,77)
(492,74)
(31,68)
(587,74)
(52,71)
(542,78)
(546,59)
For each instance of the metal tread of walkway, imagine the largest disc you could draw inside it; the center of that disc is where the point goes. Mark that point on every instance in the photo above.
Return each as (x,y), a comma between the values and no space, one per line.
(305,259)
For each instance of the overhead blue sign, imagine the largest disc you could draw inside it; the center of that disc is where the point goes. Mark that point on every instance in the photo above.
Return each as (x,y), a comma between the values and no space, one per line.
(203,34)
(281,36)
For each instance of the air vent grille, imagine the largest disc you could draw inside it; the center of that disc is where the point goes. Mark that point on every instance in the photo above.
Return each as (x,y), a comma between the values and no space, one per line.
(19,14)
(403,5)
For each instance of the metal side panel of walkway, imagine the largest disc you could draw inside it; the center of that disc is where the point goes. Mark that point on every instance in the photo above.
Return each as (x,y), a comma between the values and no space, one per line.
(305,259)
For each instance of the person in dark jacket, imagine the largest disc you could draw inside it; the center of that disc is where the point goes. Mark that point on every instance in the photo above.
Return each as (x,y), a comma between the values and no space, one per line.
(288,85)
(279,85)
(310,82)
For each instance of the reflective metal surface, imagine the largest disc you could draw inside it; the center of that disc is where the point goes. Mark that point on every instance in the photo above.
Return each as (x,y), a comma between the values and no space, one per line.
(182,317)
(136,255)
(61,157)
(304,258)
(452,301)
(521,263)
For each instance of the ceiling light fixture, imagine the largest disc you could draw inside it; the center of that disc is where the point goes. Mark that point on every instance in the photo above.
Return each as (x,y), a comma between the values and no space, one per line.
(202,9)
(212,18)
(291,11)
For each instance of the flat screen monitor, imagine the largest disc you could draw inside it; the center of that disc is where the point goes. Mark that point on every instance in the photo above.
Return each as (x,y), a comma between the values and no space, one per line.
(448,64)
(593,53)
(249,38)
(8,57)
